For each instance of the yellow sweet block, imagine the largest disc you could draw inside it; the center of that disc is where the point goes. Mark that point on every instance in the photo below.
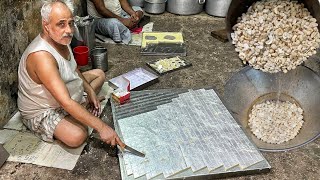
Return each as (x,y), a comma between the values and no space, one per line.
(161,37)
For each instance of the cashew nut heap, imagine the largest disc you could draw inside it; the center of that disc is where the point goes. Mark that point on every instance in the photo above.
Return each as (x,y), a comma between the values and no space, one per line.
(275,122)
(276,35)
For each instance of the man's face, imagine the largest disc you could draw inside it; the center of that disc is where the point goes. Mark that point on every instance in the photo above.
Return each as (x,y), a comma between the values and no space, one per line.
(60,27)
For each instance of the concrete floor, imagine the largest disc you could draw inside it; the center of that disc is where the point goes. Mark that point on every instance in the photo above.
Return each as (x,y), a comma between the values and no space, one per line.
(214,63)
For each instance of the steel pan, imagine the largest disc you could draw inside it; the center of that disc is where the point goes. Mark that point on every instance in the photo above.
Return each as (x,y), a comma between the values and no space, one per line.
(301,86)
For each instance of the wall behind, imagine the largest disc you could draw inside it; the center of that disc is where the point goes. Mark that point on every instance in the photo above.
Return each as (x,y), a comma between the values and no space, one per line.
(20,23)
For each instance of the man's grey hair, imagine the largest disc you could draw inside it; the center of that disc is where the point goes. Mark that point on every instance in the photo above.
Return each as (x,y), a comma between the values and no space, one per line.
(47,7)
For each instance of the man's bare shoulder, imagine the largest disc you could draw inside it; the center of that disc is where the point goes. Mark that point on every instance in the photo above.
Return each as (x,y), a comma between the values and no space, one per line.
(41,57)
(41,61)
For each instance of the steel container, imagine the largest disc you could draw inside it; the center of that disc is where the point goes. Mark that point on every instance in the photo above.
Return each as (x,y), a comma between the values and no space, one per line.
(300,86)
(155,6)
(185,7)
(99,58)
(217,7)
(136,2)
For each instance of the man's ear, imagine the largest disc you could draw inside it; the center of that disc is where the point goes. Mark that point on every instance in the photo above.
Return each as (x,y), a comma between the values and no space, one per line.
(45,25)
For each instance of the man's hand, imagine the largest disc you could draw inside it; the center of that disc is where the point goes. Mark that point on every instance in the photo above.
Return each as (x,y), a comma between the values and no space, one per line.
(109,136)
(94,103)
(136,16)
(128,22)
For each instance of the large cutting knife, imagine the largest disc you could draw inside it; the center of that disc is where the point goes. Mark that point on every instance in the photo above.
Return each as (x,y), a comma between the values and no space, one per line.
(126,147)
(133,151)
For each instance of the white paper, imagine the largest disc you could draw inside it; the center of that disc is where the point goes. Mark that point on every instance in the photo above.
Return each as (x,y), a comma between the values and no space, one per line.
(105,91)
(137,77)
(24,146)
(27,148)
(7,135)
(15,123)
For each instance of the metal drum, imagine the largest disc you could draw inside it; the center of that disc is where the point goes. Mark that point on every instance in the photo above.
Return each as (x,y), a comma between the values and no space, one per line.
(300,86)
(99,58)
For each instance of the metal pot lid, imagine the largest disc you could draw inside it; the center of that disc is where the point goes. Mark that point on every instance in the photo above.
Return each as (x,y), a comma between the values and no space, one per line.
(156,1)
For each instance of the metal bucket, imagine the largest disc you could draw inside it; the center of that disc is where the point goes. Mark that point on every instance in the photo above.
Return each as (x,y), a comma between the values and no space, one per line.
(99,58)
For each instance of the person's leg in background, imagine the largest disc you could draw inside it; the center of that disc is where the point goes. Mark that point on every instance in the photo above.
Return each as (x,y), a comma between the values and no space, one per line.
(135,8)
(113,28)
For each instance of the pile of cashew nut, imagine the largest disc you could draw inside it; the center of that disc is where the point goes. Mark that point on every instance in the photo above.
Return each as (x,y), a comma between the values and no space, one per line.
(276,122)
(276,35)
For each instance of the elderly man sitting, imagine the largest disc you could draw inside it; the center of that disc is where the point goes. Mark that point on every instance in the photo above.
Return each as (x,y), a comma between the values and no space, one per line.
(114,18)
(50,96)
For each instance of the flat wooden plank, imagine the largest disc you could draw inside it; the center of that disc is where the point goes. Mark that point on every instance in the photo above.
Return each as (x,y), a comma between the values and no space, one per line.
(221,35)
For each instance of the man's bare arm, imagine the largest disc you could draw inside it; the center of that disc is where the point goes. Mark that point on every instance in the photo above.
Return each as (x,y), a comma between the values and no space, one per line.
(47,72)
(87,88)
(135,15)
(102,10)
(92,97)
(126,7)
(45,67)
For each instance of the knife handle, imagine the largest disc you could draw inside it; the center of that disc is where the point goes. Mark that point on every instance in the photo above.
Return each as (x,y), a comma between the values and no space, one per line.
(113,151)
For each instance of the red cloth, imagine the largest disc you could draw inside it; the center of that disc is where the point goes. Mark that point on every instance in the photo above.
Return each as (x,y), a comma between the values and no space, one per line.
(136,30)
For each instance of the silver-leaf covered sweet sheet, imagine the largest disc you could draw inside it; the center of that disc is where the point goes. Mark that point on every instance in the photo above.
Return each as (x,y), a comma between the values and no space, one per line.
(190,133)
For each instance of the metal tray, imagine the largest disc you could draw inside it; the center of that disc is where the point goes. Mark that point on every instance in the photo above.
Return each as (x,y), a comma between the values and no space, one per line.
(152,65)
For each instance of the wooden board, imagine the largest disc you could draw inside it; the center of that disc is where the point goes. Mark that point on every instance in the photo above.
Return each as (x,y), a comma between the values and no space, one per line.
(221,35)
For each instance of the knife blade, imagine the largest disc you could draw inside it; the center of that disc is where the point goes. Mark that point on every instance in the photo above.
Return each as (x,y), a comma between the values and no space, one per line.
(133,151)
(128,148)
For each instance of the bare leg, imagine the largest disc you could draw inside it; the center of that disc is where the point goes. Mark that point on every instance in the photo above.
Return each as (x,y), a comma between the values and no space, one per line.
(71,132)
(96,78)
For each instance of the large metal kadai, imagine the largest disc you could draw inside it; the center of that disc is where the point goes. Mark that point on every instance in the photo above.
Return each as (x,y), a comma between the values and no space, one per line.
(300,86)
